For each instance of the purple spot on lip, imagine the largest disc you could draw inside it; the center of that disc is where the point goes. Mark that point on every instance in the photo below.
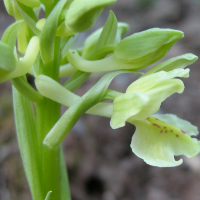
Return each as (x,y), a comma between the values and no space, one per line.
(156,125)
(183,131)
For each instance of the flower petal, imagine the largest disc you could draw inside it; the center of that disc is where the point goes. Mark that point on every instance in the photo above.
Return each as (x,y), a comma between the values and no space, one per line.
(148,82)
(125,106)
(173,63)
(157,95)
(184,125)
(157,142)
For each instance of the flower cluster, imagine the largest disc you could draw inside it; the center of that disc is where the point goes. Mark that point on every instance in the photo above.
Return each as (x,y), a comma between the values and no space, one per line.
(158,138)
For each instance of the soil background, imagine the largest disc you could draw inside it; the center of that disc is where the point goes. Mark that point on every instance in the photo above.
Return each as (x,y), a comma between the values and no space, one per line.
(101,165)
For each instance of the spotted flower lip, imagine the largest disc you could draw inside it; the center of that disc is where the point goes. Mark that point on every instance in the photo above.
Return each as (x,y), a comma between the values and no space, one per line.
(157,142)
(161,137)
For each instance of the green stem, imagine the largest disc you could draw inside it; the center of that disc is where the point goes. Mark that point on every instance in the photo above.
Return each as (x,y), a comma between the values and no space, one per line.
(47,114)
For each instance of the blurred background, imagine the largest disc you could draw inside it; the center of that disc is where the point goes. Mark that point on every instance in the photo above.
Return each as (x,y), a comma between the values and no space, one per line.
(100,163)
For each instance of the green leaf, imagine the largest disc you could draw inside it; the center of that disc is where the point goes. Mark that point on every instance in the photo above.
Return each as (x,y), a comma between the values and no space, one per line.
(108,34)
(25,126)
(7,60)
(147,46)
(76,80)
(94,37)
(157,142)
(64,40)
(82,14)
(65,187)
(68,44)
(10,35)
(90,42)
(71,116)
(28,16)
(48,33)
(173,63)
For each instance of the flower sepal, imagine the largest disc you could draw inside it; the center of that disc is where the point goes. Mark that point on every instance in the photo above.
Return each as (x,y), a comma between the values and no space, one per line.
(156,87)
(147,47)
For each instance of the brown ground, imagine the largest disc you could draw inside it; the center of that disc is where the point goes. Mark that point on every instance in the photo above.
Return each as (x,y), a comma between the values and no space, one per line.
(100,162)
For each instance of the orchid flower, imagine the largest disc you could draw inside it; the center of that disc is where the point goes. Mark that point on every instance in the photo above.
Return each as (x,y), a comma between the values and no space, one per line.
(157,139)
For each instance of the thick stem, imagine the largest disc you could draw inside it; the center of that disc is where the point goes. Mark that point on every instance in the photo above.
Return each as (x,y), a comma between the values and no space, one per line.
(47,114)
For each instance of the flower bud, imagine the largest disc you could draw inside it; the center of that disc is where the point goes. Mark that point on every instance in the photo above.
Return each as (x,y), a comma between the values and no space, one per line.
(147,47)
(7,60)
(24,64)
(82,14)
(12,9)
(30,3)
(134,52)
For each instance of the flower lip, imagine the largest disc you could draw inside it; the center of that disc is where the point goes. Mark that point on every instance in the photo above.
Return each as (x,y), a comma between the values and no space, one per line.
(157,142)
